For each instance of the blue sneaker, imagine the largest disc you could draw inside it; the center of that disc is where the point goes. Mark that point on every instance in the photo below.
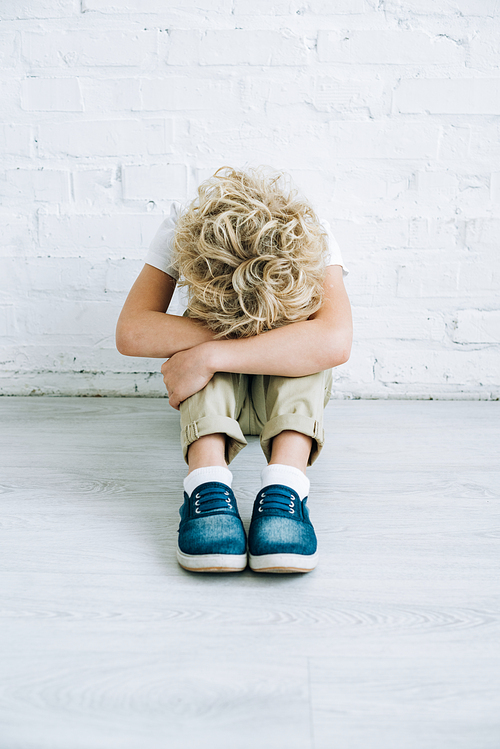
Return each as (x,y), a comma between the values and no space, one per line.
(211,534)
(281,536)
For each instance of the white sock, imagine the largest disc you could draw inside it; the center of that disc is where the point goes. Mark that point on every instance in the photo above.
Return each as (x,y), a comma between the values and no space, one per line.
(202,475)
(288,476)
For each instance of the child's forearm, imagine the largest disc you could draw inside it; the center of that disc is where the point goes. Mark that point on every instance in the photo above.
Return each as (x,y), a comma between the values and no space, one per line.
(295,350)
(159,335)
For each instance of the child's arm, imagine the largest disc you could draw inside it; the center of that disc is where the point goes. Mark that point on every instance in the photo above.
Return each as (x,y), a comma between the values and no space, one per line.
(296,350)
(144,329)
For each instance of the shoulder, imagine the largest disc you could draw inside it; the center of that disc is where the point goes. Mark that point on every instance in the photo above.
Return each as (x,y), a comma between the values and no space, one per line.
(160,250)
(334,252)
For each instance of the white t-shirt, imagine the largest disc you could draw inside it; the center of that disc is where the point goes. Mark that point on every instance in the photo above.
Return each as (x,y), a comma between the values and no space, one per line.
(161,248)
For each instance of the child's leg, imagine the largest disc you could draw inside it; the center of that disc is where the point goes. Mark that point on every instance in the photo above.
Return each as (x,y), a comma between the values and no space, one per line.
(209,450)
(282,538)
(211,535)
(292,449)
(292,404)
(214,411)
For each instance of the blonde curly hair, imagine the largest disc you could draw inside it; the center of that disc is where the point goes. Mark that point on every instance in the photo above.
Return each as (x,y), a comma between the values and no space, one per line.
(251,253)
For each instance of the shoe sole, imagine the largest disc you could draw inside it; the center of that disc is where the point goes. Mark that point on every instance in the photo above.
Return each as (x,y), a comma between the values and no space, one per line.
(283,563)
(212,562)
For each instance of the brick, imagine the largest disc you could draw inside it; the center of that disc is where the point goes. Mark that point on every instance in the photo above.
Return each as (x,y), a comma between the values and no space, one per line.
(267,7)
(482,48)
(111,95)
(383,140)
(495,187)
(73,318)
(485,142)
(51,94)
(79,278)
(476,326)
(427,277)
(388,189)
(284,89)
(334,95)
(242,47)
(436,184)
(13,278)
(435,233)
(482,232)
(70,49)
(154,182)
(122,232)
(339,7)
(370,235)
(80,232)
(315,185)
(9,96)
(15,234)
(62,277)
(480,278)
(105,138)
(359,369)
(222,7)
(382,323)
(454,142)
(360,186)
(14,10)
(473,194)
(448,96)
(418,366)
(225,138)
(183,47)
(15,139)
(8,56)
(48,366)
(184,93)
(371,281)
(8,321)
(372,183)
(274,93)
(387,48)
(52,186)
(94,186)
(445,7)
(47,185)
(121,274)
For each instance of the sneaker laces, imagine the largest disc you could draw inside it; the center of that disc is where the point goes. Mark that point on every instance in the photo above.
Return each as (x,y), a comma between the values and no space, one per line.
(211,498)
(277,498)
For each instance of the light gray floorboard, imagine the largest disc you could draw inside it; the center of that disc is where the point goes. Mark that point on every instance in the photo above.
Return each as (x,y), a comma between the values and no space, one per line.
(392,643)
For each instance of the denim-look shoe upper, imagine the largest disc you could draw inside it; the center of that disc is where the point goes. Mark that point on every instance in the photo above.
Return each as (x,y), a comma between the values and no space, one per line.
(210,522)
(280,523)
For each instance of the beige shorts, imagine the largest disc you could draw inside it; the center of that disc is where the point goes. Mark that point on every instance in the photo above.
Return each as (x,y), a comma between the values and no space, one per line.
(265,405)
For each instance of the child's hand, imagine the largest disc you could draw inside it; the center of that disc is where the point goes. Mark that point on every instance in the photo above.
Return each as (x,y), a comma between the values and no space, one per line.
(186,373)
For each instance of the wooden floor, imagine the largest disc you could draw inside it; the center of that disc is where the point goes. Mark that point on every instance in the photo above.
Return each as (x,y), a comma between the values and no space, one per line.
(392,643)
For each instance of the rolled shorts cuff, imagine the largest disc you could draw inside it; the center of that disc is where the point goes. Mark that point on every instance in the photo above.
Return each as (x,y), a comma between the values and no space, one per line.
(214,425)
(296,423)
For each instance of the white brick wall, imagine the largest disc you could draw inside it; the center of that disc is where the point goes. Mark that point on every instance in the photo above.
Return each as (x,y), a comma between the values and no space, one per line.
(385,113)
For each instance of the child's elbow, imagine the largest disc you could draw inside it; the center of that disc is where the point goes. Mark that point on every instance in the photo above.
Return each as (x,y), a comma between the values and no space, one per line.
(125,339)
(345,352)
(341,358)
(341,350)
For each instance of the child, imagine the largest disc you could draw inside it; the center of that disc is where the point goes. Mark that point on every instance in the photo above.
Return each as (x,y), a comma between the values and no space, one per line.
(267,318)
